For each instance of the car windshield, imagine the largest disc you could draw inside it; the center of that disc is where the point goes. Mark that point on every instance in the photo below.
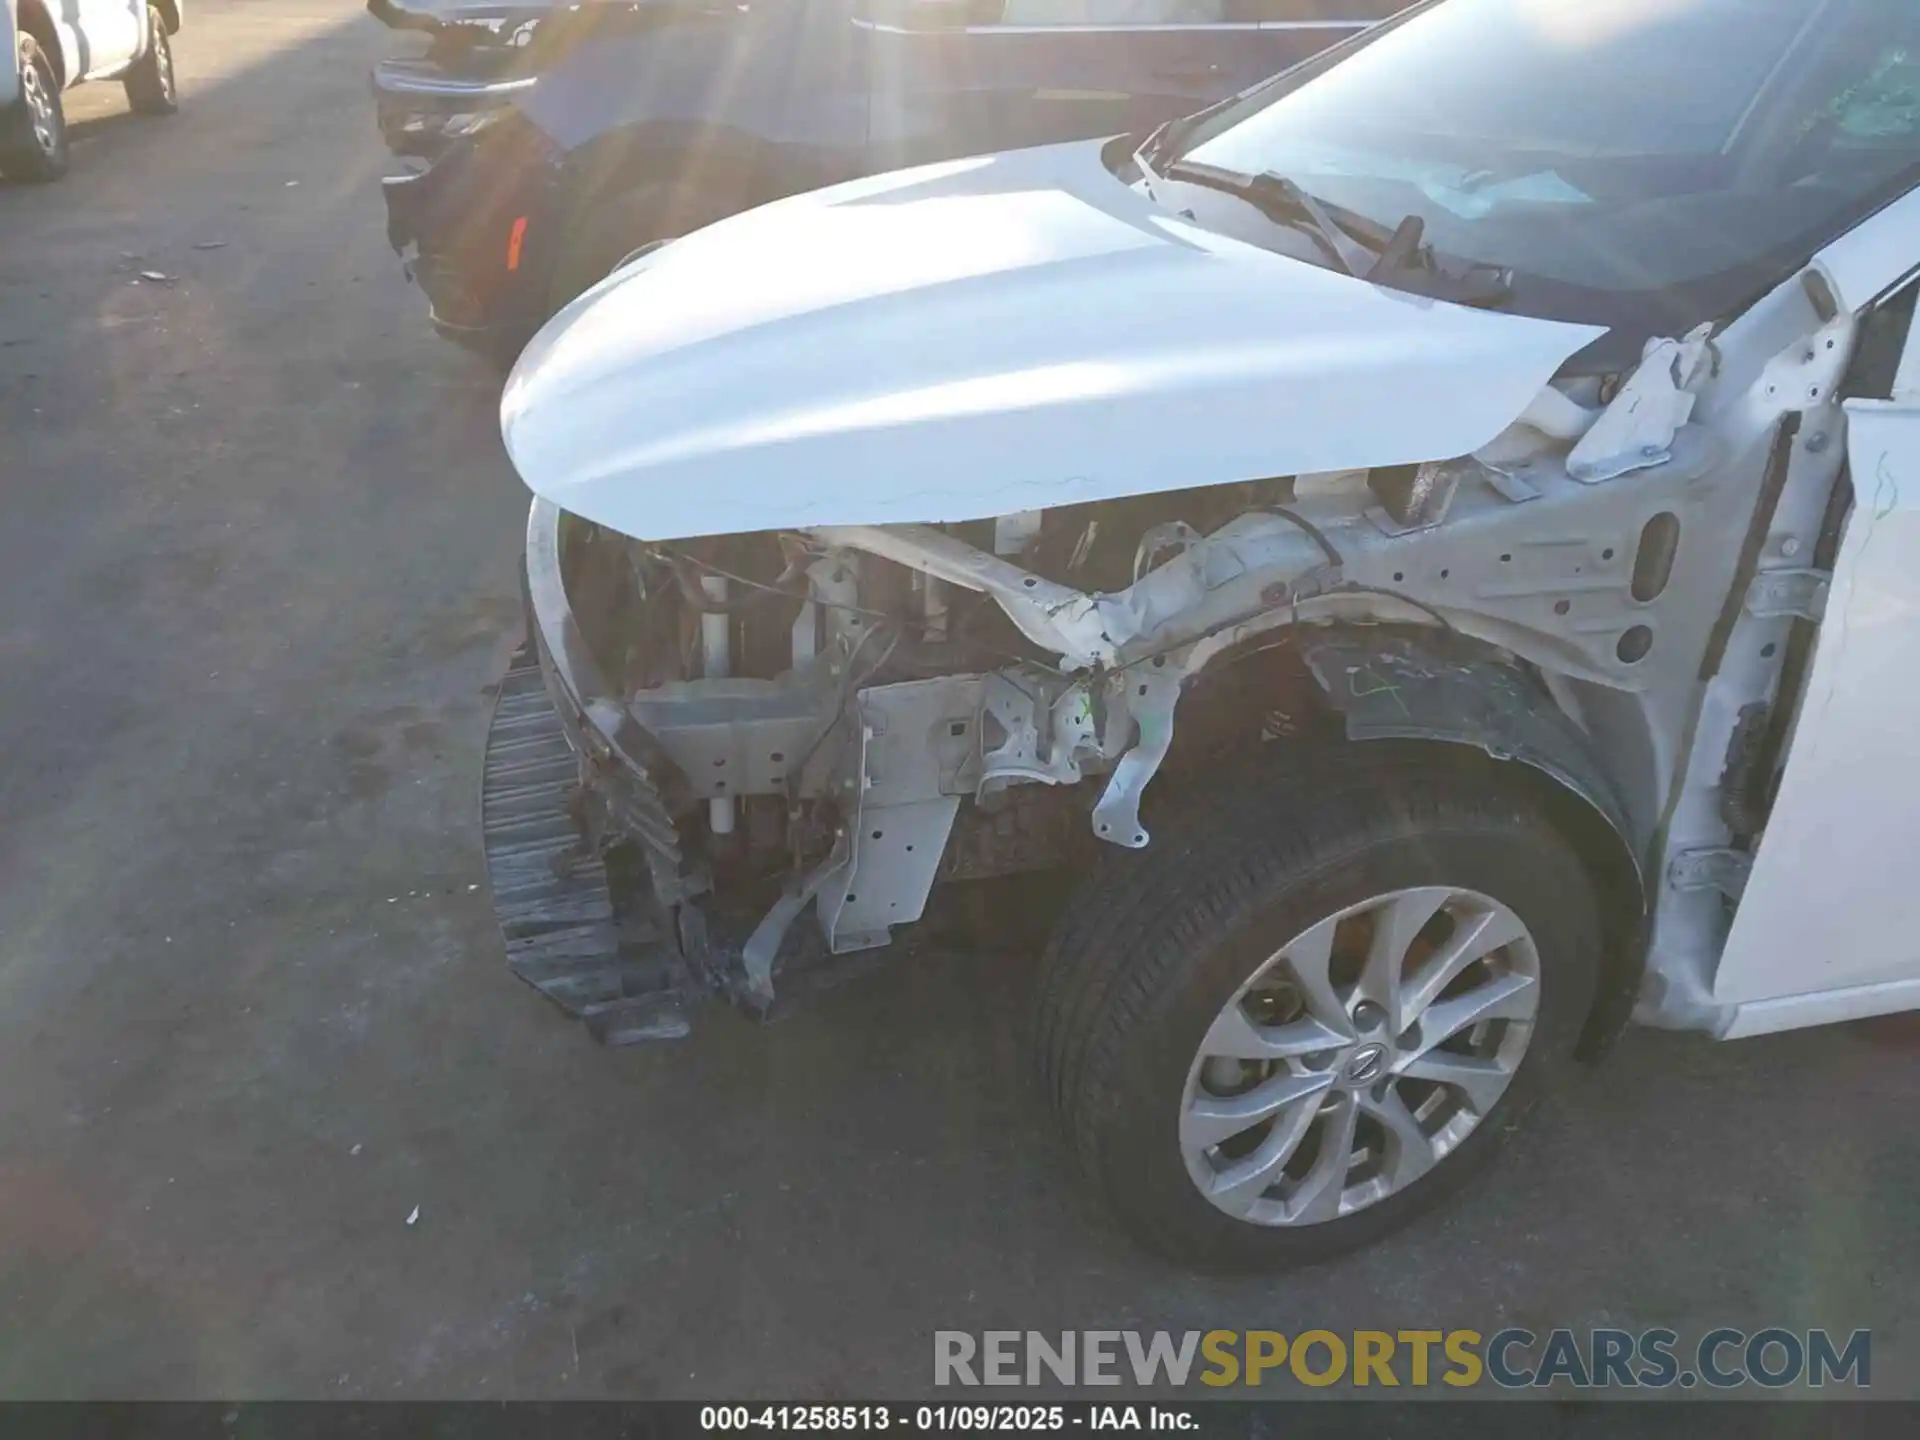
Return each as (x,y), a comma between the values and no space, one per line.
(1610,145)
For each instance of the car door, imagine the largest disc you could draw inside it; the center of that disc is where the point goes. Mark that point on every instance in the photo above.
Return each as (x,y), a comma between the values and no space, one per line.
(110,32)
(1828,923)
(1828,926)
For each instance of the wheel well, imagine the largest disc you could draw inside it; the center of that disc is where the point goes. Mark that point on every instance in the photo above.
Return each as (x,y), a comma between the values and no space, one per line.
(1268,697)
(1623,904)
(36,22)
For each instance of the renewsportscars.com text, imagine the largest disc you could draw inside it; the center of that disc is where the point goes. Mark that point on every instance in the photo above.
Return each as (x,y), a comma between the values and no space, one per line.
(1720,1359)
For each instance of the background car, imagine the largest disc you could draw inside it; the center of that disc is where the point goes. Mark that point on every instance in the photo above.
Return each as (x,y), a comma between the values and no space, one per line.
(548,143)
(59,45)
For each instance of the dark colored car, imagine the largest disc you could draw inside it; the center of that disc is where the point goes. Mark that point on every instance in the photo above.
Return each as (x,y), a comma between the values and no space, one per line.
(546,142)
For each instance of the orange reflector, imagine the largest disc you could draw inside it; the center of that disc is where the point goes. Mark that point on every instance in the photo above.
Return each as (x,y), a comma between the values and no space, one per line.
(514,239)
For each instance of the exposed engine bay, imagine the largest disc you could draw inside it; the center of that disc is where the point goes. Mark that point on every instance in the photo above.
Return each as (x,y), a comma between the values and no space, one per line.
(837,719)
(852,727)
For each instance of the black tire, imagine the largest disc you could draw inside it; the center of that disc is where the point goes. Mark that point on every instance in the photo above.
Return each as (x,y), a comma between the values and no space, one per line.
(1155,943)
(33,138)
(150,84)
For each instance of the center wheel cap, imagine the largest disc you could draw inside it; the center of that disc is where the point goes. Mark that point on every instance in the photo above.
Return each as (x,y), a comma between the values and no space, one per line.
(1367,1064)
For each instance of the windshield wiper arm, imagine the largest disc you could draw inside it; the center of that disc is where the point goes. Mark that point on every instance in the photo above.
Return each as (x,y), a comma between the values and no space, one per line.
(1285,203)
(1269,192)
(1398,257)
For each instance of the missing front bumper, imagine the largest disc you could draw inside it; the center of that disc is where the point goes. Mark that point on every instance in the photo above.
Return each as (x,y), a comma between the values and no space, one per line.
(613,966)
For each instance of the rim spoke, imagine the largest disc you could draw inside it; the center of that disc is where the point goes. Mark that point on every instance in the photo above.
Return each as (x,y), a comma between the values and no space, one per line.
(1409,1152)
(1474,938)
(1239,1038)
(1209,1119)
(1238,1186)
(1509,997)
(1310,958)
(1481,1081)
(1284,1150)
(1317,1197)
(1395,924)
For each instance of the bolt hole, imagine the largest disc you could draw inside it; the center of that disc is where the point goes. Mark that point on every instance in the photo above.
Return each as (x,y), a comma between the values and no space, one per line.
(719,764)
(1106,829)
(878,833)
(1445,573)
(776,757)
(1029,582)
(1159,661)
(1653,561)
(909,849)
(1561,607)
(1139,837)
(1607,554)
(851,897)
(958,727)
(1766,650)
(1506,559)
(1634,645)
(719,784)
(1143,689)
(1399,574)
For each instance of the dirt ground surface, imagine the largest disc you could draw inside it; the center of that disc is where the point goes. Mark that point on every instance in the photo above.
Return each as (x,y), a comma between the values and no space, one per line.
(257,573)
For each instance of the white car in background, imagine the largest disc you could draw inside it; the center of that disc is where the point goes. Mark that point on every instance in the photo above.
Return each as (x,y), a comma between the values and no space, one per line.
(58,43)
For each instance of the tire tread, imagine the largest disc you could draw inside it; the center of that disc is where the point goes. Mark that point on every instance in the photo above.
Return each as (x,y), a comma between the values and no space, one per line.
(1229,844)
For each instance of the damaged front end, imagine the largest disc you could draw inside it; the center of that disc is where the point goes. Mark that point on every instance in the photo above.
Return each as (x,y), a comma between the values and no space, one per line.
(778,745)
(814,668)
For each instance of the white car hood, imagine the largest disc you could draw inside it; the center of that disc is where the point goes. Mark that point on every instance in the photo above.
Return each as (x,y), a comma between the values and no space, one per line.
(984,336)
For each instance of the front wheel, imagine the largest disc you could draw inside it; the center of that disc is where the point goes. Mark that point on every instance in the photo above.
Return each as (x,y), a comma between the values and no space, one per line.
(33,140)
(1312,1009)
(150,85)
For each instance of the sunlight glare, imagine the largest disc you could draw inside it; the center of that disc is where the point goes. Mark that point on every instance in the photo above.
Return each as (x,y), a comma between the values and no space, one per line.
(1578,24)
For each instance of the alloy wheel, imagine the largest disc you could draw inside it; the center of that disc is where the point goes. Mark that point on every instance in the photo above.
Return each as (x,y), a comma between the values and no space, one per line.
(1359,1055)
(40,113)
(163,64)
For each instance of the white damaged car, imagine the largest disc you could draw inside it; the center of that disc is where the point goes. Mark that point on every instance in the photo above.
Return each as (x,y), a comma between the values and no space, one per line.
(1424,555)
